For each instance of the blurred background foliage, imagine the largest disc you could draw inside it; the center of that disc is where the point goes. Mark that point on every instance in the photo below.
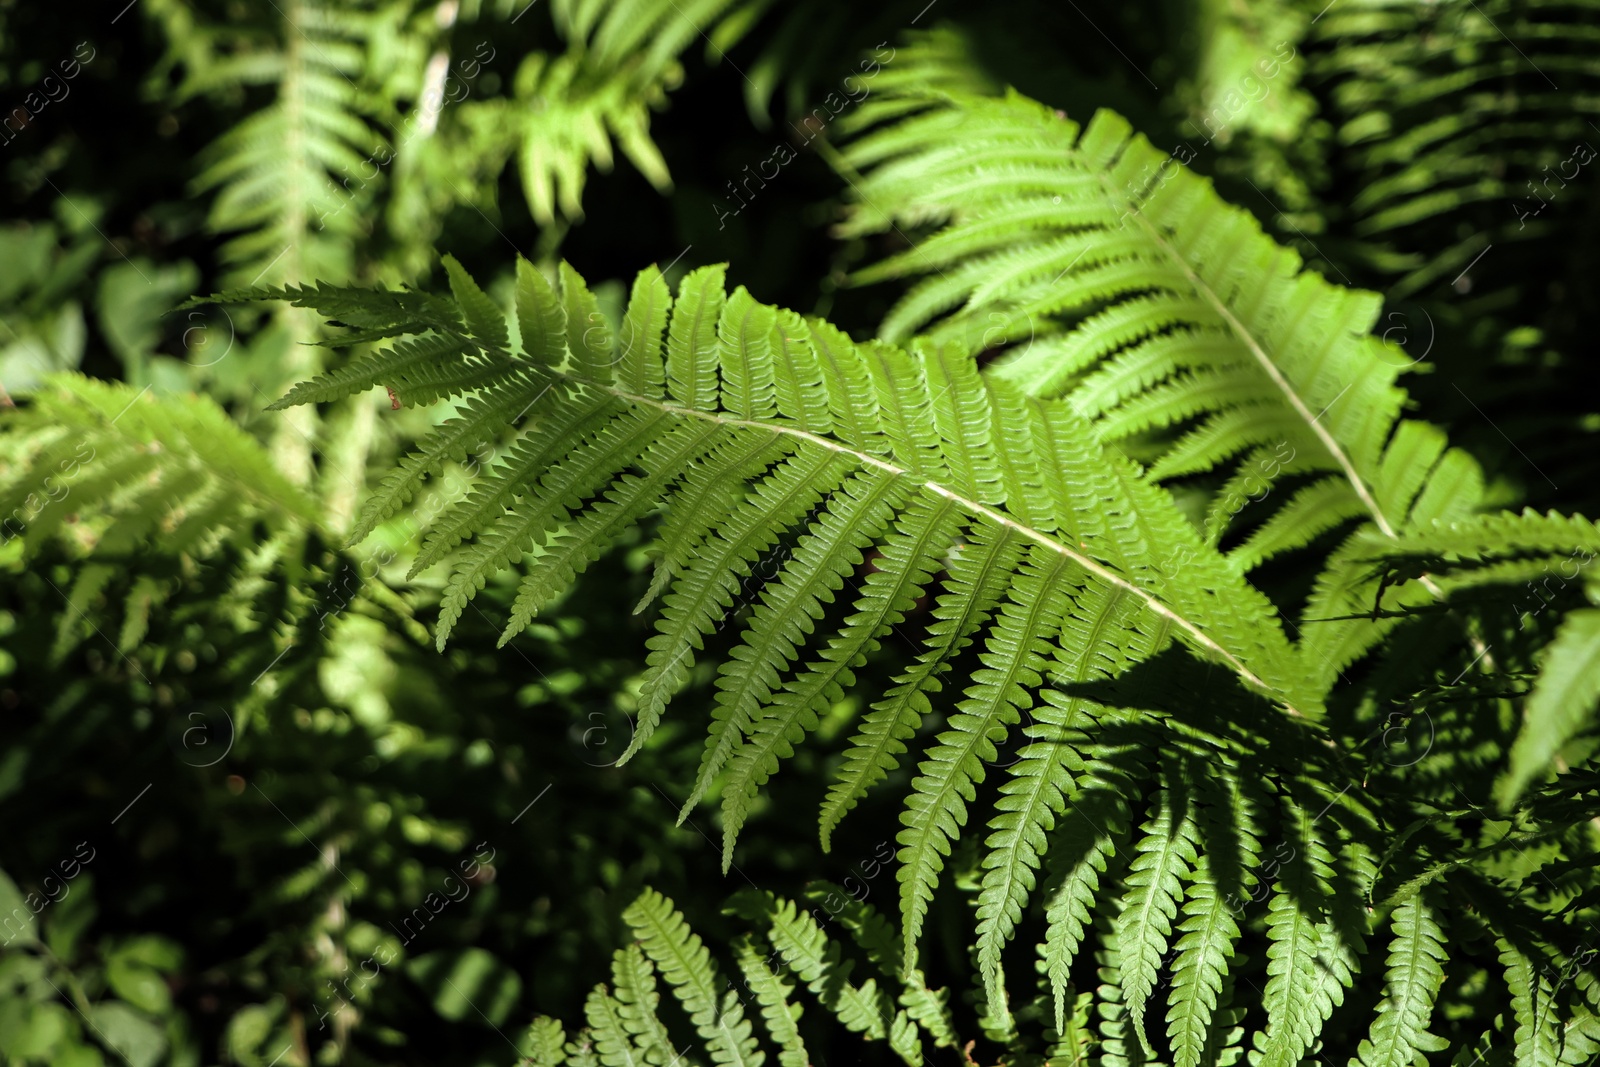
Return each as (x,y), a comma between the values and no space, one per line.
(312,839)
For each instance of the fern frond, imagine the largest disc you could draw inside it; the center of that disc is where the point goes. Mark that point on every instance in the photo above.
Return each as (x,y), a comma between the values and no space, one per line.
(818,962)
(1119,1045)
(85,588)
(1315,936)
(137,469)
(1163,859)
(1580,1043)
(636,1003)
(579,108)
(745,331)
(581,1052)
(276,175)
(1561,705)
(547,1038)
(611,1040)
(777,1012)
(627,1028)
(1160,314)
(1295,917)
(1209,923)
(687,965)
(1350,586)
(774,431)
(1208,931)
(1538,1042)
(1416,971)
(870,930)
(974,586)
(936,809)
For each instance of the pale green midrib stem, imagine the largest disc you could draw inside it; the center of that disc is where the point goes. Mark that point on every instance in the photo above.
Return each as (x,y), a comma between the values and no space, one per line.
(1357,483)
(1087,563)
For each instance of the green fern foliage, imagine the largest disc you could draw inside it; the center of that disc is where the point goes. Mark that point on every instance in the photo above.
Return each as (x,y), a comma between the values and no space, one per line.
(1525,565)
(137,512)
(1452,118)
(580,108)
(1216,709)
(131,468)
(1464,136)
(771,427)
(1049,543)
(785,951)
(1416,971)
(281,178)
(1113,278)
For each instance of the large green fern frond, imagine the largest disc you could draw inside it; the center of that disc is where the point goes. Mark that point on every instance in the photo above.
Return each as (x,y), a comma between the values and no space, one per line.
(1116,280)
(1046,542)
